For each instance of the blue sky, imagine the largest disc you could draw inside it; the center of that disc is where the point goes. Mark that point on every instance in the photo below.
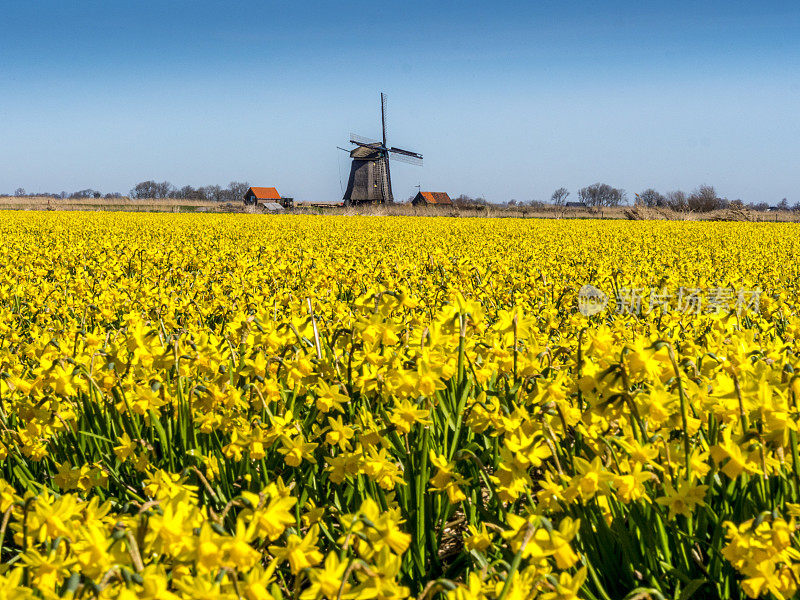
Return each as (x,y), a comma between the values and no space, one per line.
(506,100)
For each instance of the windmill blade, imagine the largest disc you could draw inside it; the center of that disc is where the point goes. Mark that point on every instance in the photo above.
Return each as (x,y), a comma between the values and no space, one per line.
(361,140)
(384,100)
(373,146)
(407,158)
(405,152)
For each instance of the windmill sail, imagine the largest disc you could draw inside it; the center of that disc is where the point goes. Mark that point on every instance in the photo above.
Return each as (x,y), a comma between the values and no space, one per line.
(405,156)
(360,139)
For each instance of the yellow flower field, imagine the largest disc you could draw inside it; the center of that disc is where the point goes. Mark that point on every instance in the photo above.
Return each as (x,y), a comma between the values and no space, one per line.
(295,407)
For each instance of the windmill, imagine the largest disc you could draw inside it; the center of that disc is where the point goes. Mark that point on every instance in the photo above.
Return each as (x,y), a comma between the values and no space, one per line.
(370,180)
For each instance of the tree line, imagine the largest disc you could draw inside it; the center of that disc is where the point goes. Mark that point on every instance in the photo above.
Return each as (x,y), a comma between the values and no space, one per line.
(154,189)
(597,195)
(702,199)
(87,193)
(151,189)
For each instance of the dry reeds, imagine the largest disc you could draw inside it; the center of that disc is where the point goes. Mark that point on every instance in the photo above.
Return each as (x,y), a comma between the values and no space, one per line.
(637,213)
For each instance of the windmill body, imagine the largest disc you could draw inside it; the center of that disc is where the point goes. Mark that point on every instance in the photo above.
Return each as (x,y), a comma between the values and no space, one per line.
(368,182)
(370,177)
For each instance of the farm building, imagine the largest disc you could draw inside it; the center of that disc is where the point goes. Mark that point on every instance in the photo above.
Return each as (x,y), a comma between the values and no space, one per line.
(431,199)
(261,195)
(575,205)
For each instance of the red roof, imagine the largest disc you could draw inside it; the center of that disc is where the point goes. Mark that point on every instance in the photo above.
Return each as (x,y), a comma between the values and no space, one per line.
(436,197)
(264,193)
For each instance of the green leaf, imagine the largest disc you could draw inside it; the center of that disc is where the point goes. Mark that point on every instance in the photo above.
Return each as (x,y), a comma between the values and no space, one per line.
(691,588)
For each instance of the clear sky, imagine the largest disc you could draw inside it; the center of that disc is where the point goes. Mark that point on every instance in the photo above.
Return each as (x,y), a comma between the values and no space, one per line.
(508,100)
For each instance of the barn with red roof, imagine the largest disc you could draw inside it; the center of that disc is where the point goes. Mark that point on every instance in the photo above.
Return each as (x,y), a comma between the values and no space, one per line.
(261,195)
(431,199)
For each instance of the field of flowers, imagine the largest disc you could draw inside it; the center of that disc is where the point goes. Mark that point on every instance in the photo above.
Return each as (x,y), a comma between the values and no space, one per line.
(296,407)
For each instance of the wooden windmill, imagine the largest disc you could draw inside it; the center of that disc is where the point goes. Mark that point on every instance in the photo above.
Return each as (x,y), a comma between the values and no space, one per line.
(370,179)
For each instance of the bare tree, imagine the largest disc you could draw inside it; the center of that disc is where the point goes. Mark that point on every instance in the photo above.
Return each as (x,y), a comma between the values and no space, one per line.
(601,194)
(676,200)
(559,197)
(650,198)
(783,204)
(465,200)
(237,190)
(144,189)
(187,192)
(704,199)
(19,191)
(164,190)
(196,194)
(87,193)
(213,192)
(152,189)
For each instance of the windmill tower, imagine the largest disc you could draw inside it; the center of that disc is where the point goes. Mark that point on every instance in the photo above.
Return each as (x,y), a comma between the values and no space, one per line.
(370,179)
